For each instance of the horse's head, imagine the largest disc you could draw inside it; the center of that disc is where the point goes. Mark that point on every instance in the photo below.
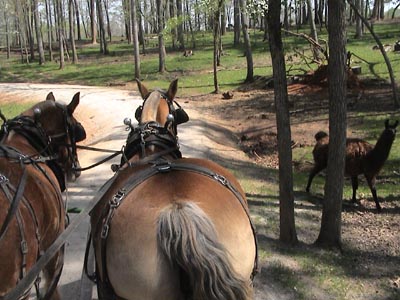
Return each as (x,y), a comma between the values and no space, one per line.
(158,106)
(158,119)
(61,130)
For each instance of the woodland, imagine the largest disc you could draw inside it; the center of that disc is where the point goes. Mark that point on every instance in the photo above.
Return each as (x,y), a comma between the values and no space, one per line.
(56,36)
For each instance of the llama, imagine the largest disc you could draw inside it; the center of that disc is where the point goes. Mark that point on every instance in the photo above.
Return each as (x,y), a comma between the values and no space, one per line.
(361,158)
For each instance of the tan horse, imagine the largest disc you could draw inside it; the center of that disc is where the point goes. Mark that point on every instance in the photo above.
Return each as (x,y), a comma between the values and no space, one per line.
(37,151)
(169,227)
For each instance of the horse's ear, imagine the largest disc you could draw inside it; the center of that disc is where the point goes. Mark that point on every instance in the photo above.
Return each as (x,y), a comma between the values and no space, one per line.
(50,96)
(142,89)
(173,88)
(74,103)
(387,123)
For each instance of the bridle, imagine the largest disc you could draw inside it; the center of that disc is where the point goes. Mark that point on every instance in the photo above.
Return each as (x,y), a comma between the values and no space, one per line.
(47,145)
(152,133)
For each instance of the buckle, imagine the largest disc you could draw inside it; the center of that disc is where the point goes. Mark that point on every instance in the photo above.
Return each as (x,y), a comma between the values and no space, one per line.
(221,179)
(163,166)
(104,231)
(24,247)
(117,198)
(3,178)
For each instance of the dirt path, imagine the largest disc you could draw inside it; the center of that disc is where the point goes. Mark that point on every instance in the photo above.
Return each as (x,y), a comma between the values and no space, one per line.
(102,111)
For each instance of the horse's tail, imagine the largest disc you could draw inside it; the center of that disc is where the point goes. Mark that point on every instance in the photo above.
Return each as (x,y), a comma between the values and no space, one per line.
(188,238)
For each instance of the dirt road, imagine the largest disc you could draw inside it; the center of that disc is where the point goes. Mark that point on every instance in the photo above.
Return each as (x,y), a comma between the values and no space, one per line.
(102,111)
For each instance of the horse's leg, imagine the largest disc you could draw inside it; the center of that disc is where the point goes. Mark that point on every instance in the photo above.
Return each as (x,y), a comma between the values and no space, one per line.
(354,184)
(371,184)
(317,168)
(51,273)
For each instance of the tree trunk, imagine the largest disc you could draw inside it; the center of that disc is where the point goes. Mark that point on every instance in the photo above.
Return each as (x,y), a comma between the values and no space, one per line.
(217,37)
(331,223)
(161,46)
(190,25)
(247,44)
(285,15)
(38,33)
(71,31)
(60,33)
(385,57)
(108,20)
(7,34)
(359,31)
(314,34)
(236,25)
(50,29)
(394,10)
(78,20)
(179,11)
(29,31)
(93,27)
(103,40)
(136,54)
(223,20)
(174,30)
(286,198)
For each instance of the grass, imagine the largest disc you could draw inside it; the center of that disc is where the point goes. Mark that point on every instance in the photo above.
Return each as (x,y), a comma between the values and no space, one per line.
(10,110)
(304,271)
(195,72)
(387,181)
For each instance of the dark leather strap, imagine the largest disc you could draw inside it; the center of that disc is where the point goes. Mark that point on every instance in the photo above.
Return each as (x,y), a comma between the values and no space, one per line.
(156,167)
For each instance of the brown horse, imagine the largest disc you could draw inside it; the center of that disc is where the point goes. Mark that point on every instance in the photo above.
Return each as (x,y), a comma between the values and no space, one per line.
(37,151)
(169,227)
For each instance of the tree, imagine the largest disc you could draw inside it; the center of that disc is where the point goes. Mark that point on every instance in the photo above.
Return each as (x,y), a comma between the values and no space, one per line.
(181,38)
(286,197)
(49,28)
(71,31)
(100,16)
(383,51)
(92,13)
(58,16)
(236,25)
(247,44)
(378,12)
(330,232)
(313,28)
(217,38)
(161,45)
(38,32)
(136,54)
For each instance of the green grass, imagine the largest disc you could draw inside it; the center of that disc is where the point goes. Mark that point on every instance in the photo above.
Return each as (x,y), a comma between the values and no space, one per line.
(195,72)
(387,180)
(11,110)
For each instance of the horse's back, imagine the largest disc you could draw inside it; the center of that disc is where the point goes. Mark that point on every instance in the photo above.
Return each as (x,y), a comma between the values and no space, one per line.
(135,263)
(37,222)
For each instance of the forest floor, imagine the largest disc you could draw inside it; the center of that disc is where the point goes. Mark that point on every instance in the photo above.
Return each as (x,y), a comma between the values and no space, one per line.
(371,240)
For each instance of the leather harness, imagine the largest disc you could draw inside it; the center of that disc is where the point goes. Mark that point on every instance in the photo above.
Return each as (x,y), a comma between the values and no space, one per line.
(37,137)
(141,137)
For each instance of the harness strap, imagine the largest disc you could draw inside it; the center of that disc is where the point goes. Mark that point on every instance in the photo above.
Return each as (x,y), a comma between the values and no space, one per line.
(13,210)
(161,166)
(31,276)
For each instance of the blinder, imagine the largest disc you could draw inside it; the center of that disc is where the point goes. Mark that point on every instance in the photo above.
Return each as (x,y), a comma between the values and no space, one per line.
(179,113)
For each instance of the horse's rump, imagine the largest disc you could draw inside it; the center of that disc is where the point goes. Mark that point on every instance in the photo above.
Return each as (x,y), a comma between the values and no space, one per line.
(133,252)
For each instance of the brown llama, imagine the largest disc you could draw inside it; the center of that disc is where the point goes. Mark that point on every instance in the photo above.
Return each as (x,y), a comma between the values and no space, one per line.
(361,158)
